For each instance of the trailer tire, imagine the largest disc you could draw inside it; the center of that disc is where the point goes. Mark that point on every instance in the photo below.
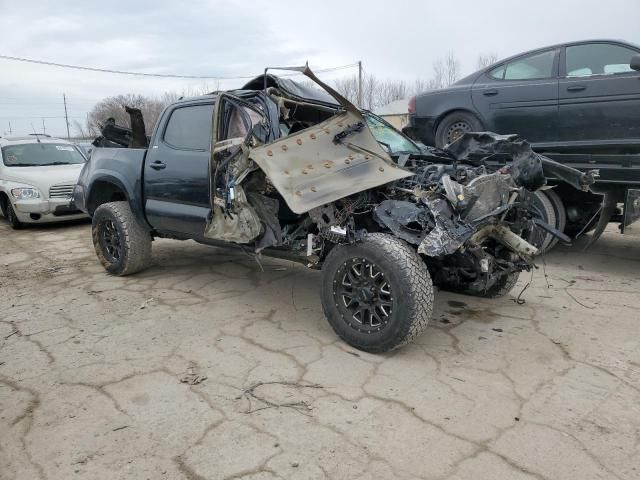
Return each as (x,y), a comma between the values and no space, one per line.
(561,215)
(537,236)
(377,294)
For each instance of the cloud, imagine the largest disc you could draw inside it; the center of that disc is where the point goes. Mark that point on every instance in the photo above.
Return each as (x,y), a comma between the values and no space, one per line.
(399,39)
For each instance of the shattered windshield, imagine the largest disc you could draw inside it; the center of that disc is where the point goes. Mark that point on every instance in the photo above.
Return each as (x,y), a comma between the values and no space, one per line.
(394,141)
(41,154)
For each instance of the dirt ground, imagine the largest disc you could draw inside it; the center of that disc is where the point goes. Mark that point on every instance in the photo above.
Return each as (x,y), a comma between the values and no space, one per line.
(204,367)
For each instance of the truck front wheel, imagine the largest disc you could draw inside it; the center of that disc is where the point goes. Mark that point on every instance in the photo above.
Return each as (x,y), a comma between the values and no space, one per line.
(122,242)
(377,294)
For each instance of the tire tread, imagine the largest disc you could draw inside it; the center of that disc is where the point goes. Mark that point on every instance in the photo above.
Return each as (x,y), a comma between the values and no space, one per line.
(419,289)
(136,239)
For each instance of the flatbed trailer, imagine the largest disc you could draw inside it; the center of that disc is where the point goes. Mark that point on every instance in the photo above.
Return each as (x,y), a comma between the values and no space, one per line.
(615,196)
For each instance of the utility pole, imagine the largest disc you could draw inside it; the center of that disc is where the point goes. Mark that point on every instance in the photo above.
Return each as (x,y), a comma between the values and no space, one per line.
(359,84)
(44,128)
(10,131)
(66,116)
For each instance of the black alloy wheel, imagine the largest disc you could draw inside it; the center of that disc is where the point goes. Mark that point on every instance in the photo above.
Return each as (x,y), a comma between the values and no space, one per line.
(363,295)
(110,240)
(376,293)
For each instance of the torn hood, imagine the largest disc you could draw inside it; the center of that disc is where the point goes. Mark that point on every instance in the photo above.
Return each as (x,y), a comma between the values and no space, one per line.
(328,161)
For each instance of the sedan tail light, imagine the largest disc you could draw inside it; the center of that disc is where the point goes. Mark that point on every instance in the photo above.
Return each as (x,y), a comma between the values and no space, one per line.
(412,105)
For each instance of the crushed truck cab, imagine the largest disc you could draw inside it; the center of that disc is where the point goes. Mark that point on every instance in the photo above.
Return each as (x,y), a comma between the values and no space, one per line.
(299,172)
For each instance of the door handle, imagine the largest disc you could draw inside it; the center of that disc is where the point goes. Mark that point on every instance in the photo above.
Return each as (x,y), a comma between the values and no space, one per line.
(158,165)
(490,93)
(576,88)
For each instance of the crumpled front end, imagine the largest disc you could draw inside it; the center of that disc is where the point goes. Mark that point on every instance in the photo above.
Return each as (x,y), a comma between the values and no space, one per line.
(471,224)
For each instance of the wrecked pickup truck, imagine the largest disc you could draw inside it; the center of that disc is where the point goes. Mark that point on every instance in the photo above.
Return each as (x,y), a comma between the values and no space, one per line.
(299,172)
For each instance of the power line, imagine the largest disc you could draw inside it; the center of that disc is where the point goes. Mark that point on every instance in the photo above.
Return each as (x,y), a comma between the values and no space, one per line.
(156,75)
(40,116)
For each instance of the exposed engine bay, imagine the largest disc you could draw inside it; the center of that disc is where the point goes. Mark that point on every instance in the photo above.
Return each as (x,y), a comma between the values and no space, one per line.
(300,169)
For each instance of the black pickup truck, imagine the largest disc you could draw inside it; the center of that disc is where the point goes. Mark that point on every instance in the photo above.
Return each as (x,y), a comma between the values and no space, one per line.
(297,172)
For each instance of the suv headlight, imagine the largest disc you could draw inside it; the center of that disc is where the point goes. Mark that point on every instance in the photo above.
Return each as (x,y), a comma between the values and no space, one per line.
(25,193)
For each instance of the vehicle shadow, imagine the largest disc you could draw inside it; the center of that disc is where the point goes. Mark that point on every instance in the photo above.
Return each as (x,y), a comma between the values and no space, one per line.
(49,225)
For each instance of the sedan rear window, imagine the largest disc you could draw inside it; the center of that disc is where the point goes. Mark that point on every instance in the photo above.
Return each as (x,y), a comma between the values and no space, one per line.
(40,154)
(537,66)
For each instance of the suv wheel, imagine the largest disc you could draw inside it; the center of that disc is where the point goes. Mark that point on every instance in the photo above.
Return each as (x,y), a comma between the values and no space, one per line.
(454,125)
(377,294)
(122,242)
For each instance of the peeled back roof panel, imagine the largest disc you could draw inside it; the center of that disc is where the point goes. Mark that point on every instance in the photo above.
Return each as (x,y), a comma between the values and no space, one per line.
(291,88)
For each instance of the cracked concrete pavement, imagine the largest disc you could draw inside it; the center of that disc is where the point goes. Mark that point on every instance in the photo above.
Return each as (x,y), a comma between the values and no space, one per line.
(90,370)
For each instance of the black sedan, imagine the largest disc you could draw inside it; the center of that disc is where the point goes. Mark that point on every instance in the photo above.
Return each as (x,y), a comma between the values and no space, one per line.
(580,94)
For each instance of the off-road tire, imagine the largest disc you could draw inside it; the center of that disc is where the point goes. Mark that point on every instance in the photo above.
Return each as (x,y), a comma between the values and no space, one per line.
(465,120)
(10,215)
(135,239)
(410,285)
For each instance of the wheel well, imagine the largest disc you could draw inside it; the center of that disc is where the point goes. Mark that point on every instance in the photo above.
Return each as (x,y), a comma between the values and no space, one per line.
(104,192)
(4,198)
(580,206)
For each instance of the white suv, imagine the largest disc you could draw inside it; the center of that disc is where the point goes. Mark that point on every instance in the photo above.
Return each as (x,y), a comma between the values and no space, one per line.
(37,177)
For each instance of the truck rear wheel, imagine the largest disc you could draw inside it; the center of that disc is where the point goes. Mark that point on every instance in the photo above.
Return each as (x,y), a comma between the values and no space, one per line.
(122,242)
(377,294)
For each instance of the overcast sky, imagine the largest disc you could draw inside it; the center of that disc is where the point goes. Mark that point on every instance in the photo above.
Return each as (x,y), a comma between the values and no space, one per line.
(396,39)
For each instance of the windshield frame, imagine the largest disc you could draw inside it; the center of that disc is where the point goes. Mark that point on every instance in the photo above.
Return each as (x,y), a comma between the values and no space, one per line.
(418,150)
(74,148)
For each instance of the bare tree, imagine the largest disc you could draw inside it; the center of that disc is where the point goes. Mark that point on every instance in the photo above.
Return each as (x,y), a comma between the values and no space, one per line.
(445,72)
(113,107)
(375,92)
(438,80)
(390,91)
(419,86)
(82,130)
(347,87)
(486,59)
(452,66)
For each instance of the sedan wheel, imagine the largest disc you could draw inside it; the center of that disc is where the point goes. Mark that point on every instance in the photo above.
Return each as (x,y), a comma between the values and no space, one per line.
(456,130)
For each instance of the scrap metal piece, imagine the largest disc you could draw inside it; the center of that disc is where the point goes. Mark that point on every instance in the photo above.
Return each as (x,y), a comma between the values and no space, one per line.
(240,226)
(529,169)
(507,238)
(448,234)
(609,206)
(138,133)
(490,192)
(405,219)
(575,178)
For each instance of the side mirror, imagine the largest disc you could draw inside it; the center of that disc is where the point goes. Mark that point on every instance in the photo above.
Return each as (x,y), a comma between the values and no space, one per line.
(635,62)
